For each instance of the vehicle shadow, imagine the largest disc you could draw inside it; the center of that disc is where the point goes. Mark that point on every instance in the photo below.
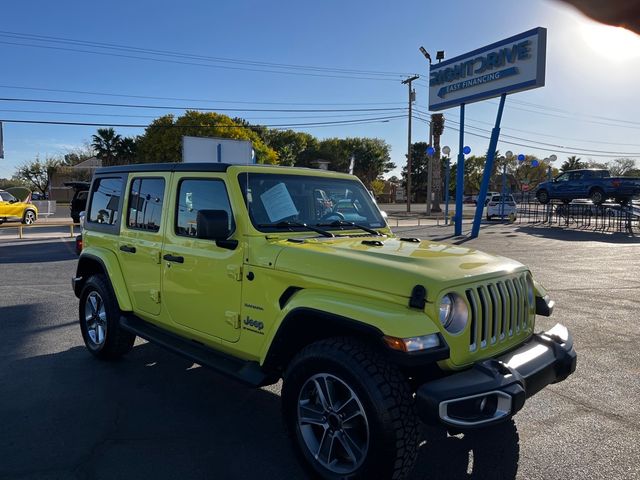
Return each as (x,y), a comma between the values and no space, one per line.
(56,251)
(154,415)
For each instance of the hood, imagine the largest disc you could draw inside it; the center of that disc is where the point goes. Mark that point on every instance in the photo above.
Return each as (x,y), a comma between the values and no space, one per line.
(394,267)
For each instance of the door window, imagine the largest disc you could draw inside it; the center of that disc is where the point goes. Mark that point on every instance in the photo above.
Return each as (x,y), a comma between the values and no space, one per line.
(105,204)
(196,195)
(146,197)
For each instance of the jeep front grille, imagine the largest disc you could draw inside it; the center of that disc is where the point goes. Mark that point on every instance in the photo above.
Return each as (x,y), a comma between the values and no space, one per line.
(498,311)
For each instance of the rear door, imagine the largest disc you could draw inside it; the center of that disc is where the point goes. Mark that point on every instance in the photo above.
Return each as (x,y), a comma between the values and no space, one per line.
(140,241)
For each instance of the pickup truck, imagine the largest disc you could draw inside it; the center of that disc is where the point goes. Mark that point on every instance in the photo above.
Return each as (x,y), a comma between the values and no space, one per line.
(595,184)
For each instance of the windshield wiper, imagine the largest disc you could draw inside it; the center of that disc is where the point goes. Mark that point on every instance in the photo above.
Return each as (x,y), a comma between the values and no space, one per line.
(342,223)
(286,223)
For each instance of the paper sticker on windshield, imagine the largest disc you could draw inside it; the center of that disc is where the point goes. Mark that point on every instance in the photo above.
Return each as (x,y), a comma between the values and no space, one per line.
(278,203)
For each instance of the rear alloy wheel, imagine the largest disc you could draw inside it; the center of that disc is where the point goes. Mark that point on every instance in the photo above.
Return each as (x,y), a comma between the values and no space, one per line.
(100,321)
(29,217)
(349,412)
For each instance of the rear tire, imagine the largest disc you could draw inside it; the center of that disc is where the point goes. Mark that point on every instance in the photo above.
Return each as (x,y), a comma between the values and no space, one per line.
(543,197)
(100,321)
(378,438)
(597,196)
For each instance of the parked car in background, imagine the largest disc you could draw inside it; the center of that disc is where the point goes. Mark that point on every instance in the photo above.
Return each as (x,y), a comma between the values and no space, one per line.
(495,208)
(595,184)
(13,209)
(79,200)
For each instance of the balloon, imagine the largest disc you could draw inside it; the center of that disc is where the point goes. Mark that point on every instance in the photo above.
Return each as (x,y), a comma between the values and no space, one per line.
(521,158)
(534,163)
(466,150)
(431,150)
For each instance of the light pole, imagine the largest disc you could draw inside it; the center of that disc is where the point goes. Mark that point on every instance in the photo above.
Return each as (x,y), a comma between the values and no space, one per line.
(412,95)
(446,150)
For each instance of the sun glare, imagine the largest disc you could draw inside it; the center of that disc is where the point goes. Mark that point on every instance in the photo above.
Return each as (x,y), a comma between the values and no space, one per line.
(614,43)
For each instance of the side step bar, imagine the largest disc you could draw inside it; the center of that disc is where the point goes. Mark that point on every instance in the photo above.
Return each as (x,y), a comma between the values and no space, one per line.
(245,371)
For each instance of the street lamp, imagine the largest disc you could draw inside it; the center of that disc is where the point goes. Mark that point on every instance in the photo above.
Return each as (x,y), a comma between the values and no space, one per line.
(446,150)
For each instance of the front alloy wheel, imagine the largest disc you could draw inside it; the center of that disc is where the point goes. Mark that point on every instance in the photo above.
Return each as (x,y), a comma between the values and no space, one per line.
(333,423)
(29,217)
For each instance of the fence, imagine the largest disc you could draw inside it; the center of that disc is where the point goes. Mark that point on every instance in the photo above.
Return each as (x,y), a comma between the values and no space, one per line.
(606,218)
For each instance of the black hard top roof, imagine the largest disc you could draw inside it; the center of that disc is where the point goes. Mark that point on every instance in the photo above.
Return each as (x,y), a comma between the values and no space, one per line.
(164,167)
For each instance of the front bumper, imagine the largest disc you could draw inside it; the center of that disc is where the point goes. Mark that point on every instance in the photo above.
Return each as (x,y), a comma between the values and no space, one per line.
(495,389)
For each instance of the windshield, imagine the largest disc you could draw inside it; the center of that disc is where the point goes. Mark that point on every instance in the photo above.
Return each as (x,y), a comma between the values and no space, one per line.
(275,199)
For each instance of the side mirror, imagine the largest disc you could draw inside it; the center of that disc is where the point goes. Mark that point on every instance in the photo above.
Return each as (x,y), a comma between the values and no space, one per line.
(214,225)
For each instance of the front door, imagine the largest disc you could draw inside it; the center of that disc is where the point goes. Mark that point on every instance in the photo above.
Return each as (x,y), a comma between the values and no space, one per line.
(140,241)
(9,206)
(201,282)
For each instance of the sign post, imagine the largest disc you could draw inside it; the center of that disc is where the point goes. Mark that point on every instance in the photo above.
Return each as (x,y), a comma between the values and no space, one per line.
(511,65)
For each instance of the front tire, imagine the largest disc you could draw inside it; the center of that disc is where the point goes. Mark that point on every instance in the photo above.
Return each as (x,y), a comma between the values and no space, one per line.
(349,413)
(100,321)
(29,217)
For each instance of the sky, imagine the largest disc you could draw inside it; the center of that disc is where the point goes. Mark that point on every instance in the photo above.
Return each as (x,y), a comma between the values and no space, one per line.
(589,104)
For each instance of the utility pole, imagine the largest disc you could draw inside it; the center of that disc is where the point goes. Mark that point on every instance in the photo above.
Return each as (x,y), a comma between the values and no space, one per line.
(408,82)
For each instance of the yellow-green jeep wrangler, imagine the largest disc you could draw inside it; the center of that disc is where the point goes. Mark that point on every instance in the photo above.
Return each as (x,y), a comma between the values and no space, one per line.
(266,273)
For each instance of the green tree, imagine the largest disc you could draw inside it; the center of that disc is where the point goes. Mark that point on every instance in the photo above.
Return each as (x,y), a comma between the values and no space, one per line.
(162,140)
(419,170)
(288,144)
(106,142)
(36,174)
(377,186)
(572,163)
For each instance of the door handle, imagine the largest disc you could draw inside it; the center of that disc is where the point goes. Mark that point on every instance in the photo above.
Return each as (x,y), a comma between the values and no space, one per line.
(128,249)
(173,258)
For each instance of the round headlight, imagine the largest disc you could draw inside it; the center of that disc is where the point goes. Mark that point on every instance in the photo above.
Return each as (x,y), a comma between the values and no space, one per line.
(454,313)
(446,308)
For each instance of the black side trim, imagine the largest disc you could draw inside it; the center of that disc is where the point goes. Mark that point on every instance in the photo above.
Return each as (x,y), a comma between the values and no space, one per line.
(409,239)
(286,296)
(245,371)
(78,281)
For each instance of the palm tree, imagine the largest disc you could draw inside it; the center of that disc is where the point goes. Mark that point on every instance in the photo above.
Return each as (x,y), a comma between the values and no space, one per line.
(437,120)
(126,150)
(106,142)
(572,163)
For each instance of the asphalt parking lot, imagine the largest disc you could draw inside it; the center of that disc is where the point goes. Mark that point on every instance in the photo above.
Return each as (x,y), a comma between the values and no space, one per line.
(64,415)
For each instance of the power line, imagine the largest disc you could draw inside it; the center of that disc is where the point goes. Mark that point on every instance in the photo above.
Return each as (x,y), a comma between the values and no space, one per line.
(128,125)
(543,143)
(124,115)
(174,107)
(535,147)
(129,48)
(147,97)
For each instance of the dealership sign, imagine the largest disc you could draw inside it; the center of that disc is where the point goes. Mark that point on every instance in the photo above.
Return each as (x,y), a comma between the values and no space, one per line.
(511,65)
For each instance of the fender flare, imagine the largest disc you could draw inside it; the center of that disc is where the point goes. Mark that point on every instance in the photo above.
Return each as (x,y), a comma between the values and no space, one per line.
(368,317)
(111,268)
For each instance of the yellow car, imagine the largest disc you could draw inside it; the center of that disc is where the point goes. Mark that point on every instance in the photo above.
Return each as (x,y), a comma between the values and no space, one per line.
(13,209)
